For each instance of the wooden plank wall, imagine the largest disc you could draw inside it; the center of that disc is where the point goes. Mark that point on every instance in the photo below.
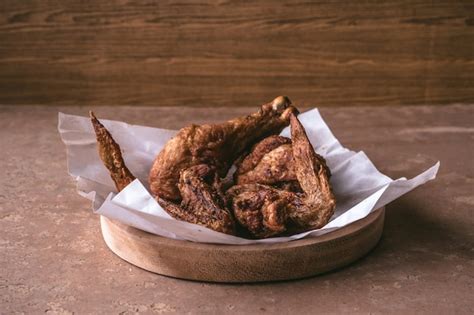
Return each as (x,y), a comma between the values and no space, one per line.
(236,53)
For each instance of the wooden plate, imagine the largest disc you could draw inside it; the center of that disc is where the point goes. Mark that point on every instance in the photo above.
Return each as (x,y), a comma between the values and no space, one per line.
(246,263)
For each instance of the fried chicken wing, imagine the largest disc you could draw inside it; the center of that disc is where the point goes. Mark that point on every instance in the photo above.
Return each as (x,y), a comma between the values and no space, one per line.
(269,162)
(111,155)
(278,164)
(202,201)
(201,195)
(216,145)
(261,209)
(318,202)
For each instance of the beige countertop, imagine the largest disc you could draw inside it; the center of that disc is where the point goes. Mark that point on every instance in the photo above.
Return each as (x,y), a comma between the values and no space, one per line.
(53,258)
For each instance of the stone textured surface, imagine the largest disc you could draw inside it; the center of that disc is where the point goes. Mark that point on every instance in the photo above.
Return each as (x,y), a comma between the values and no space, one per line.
(53,259)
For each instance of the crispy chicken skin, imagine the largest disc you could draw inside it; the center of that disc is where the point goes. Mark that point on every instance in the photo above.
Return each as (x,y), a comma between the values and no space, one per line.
(111,156)
(200,189)
(269,162)
(216,145)
(202,201)
(252,202)
(260,209)
(316,206)
(202,198)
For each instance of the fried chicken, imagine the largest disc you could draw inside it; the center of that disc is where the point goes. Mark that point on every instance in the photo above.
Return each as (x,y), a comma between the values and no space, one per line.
(281,186)
(202,200)
(266,185)
(202,197)
(316,206)
(260,209)
(111,156)
(216,145)
(270,162)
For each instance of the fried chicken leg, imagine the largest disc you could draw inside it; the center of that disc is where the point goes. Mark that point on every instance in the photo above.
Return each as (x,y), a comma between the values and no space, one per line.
(203,202)
(216,145)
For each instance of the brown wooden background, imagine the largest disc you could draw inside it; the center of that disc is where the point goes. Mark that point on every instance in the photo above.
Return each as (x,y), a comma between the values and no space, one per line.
(213,53)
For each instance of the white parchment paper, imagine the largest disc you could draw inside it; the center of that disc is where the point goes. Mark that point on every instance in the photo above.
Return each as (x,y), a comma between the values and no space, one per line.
(359,187)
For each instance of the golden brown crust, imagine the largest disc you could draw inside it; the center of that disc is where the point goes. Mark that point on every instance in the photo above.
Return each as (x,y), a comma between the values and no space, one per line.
(111,155)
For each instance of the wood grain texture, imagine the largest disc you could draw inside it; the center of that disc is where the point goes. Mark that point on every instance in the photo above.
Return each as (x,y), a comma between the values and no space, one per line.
(222,53)
(244,263)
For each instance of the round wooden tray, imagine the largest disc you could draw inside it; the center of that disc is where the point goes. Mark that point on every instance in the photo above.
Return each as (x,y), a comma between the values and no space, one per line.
(246,263)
